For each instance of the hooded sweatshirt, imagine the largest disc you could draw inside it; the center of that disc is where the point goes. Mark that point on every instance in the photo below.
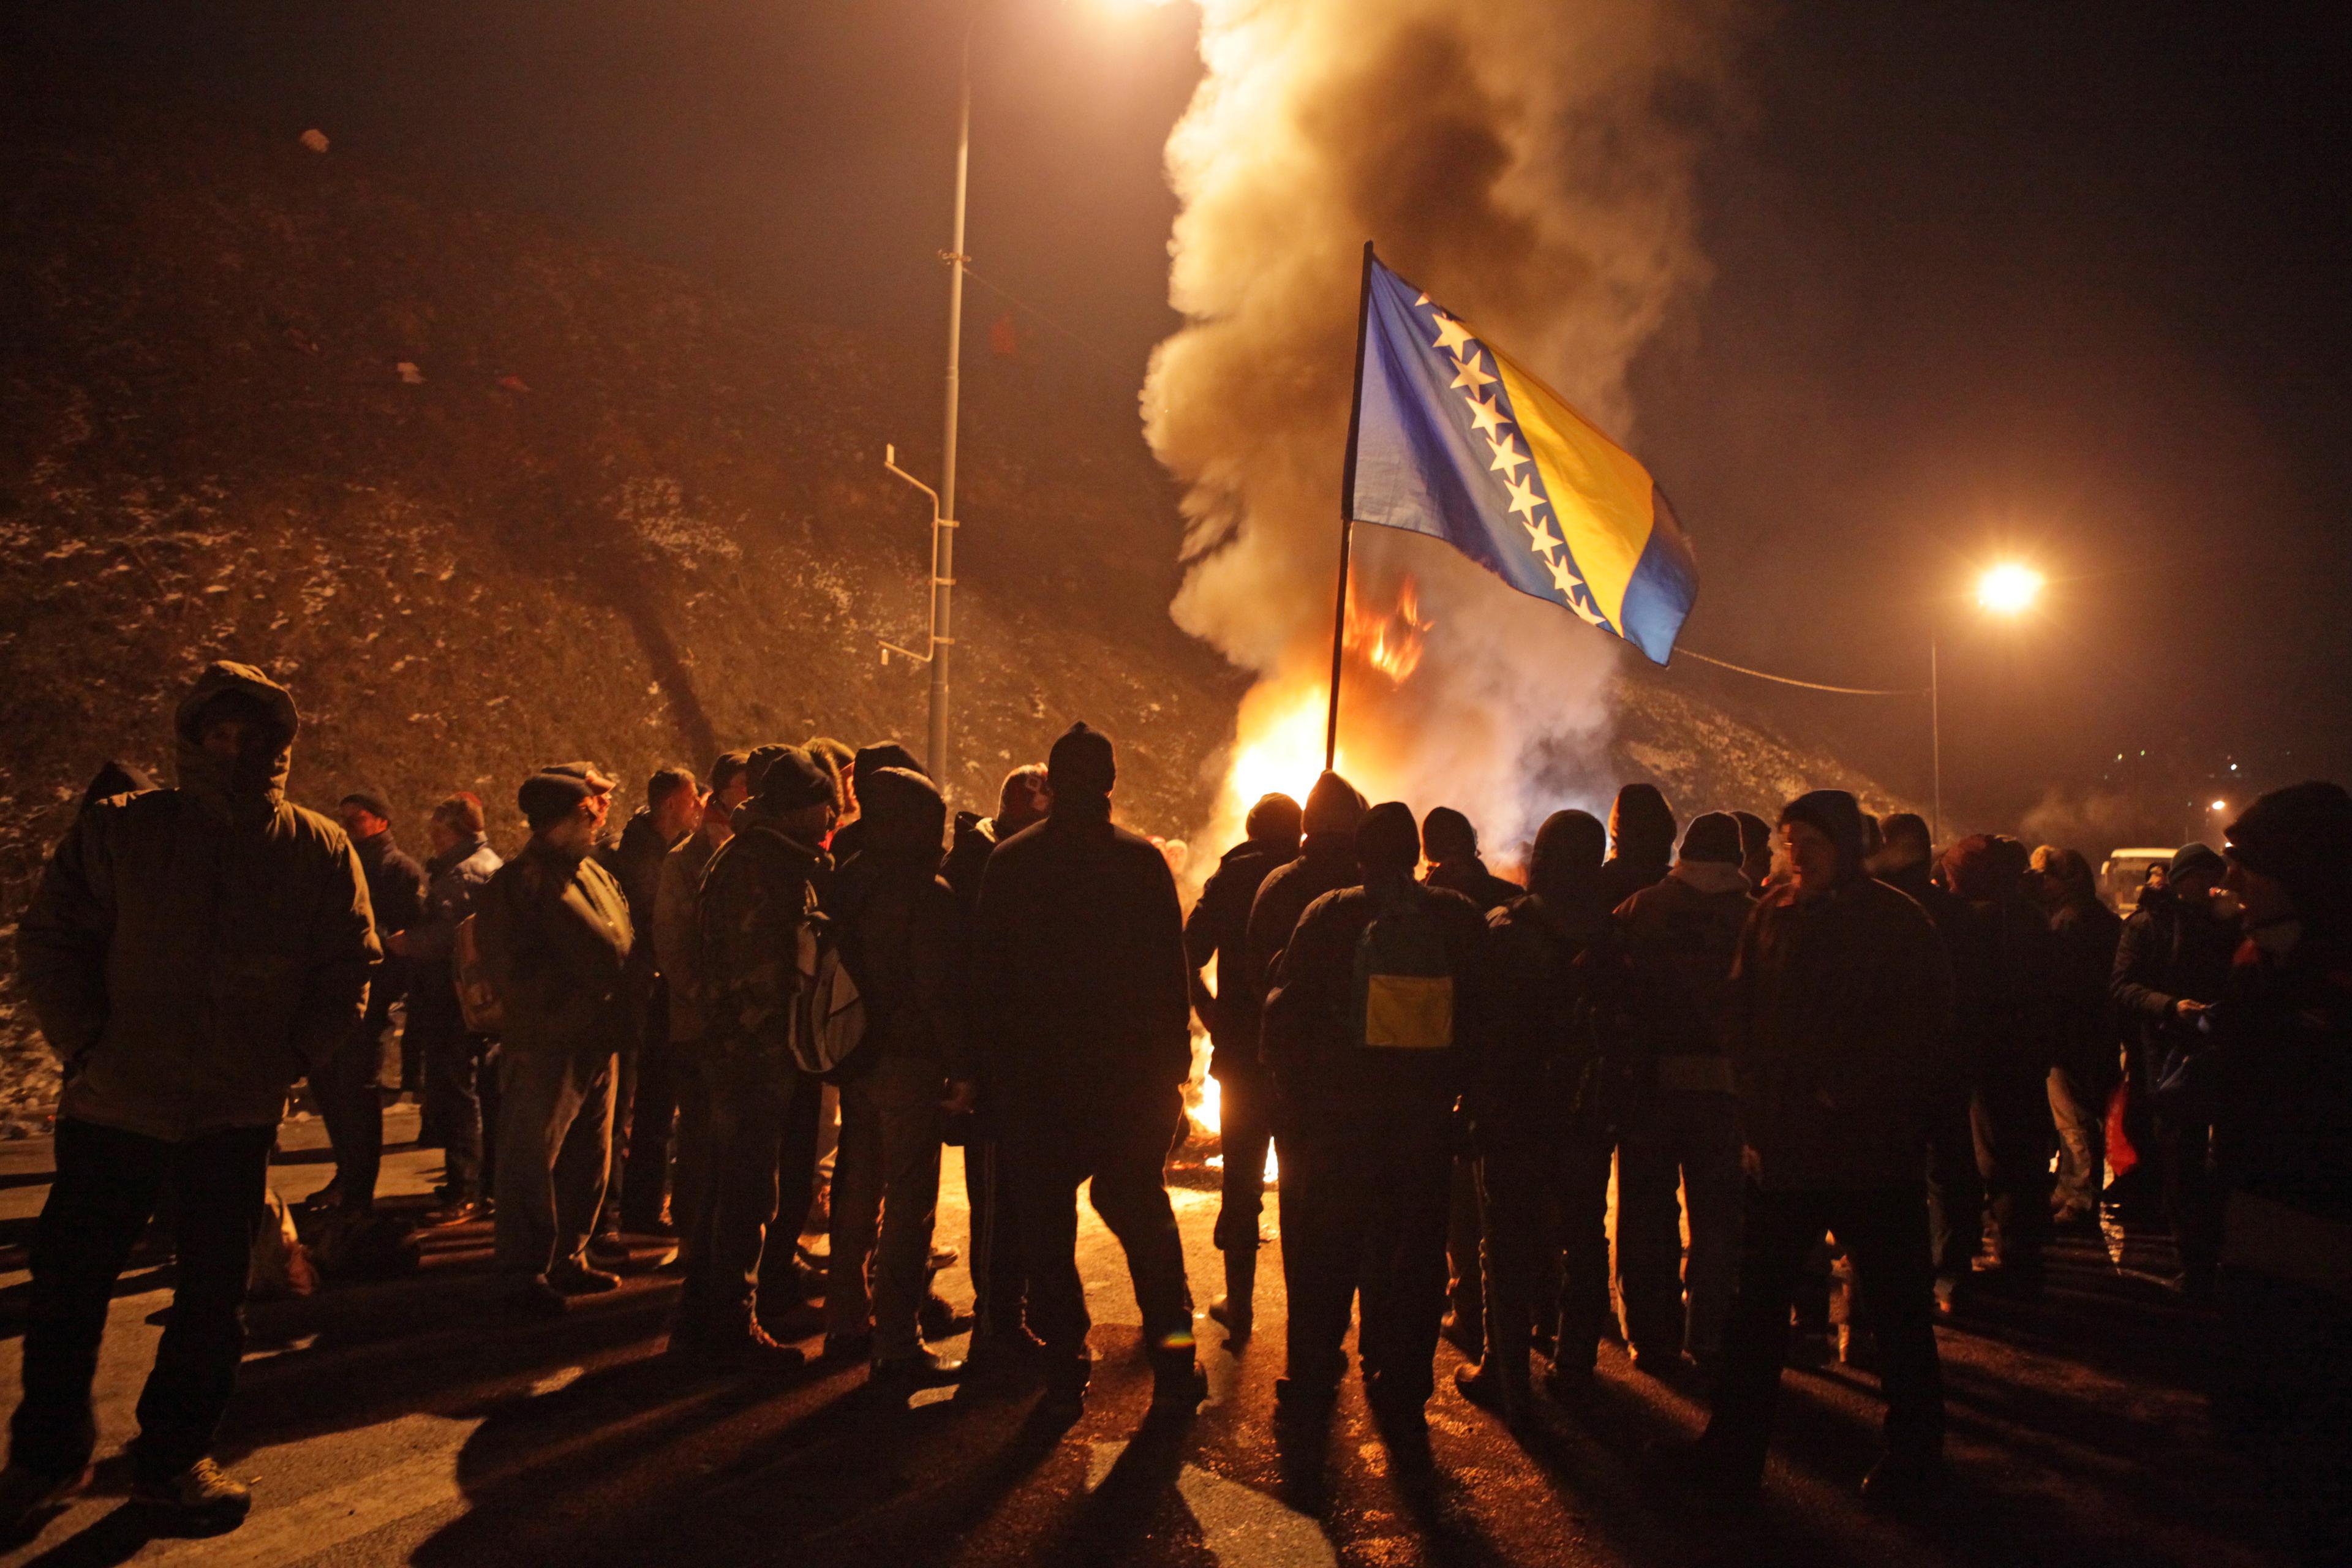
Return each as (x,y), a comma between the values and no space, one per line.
(193,951)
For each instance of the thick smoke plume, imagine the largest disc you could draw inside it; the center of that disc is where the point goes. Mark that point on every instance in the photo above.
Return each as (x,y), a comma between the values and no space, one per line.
(1527,162)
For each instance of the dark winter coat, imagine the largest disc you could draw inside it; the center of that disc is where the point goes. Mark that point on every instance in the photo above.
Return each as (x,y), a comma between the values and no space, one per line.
(1678,940)
(975,841)
(1079,994)
(901,931)
(1530,992)
(1472,879)
(191,951)
(759,895)
(1217,931)
(677,946)
(2170,950)
(1307,1038)
(453,886)
(2084,934)
(2282,1039)
(1325,863)
(1622,875)
(1839,1019)
(396,886)
(1967,948)
(555,940)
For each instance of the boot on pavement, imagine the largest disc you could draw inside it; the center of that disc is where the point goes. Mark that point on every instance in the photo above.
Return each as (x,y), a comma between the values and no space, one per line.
(1234,1307)
(1178,1386)
(203,1497)
(902,1375)
(1491,1386)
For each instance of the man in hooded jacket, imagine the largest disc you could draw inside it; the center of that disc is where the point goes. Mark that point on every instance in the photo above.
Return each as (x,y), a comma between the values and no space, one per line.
(758,904)
(1083,1020)
(1679,938)
(1543,1184)
(1838,1025)
(1325,863)
(902,936)
(1368,1063)
(1641,842)
(1217,931)
(190,953)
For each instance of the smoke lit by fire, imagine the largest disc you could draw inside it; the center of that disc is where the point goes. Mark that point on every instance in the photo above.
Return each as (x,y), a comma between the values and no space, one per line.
(1527,162)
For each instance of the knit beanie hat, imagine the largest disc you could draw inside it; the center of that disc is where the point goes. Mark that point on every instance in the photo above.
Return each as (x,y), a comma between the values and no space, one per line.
(555,792)
(1838,816)
(1713,836)
(1387,843)
(2302,836)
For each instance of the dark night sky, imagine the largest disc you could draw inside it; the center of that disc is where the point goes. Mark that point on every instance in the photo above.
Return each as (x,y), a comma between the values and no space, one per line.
(2062,280)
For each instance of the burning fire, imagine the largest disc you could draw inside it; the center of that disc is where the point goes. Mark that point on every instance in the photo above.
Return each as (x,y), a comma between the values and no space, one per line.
(1390,641)
(1206,1104)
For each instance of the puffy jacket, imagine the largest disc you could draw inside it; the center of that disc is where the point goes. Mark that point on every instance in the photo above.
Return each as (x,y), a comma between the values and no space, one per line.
(1217,931)
(2169,951)
(901,930)
(555,941)
(1079,965)
(1839,1019)
(191,952)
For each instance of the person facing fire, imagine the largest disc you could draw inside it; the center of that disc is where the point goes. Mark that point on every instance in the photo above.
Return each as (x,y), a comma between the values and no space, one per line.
(1369,1038)
(1217,932)
(1325,863)
(1449,844)
(555,937)
(1083,1018)
(1543,1184)
(756,902)
(1838,1020)
(1678,939)
(189,951)
(1641,842)
(1001,1340)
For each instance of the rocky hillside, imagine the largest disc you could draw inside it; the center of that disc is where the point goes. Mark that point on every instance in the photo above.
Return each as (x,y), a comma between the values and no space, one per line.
(488,494)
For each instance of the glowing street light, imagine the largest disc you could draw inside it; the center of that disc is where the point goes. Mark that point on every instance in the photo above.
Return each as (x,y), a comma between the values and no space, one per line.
(2009,589)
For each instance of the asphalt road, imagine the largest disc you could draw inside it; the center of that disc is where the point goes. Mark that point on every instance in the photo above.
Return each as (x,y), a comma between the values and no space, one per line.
(416,1421)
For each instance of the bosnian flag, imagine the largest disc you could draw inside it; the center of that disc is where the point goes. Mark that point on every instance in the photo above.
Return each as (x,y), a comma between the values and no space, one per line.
(1454,439)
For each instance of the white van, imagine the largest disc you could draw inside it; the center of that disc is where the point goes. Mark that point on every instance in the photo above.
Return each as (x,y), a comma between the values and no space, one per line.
(2125,873)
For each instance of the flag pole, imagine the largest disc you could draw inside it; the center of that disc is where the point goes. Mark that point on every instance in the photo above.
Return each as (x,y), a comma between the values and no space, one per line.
(1347,515)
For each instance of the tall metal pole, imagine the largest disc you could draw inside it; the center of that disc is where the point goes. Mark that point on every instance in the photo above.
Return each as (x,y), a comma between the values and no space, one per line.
(943,570)
(1936,734)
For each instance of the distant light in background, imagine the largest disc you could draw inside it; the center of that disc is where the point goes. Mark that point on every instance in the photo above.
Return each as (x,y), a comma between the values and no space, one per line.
(2221,806)
(2009,589)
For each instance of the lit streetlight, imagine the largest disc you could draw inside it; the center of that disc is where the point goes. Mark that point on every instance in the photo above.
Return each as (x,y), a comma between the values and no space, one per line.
(2010,588)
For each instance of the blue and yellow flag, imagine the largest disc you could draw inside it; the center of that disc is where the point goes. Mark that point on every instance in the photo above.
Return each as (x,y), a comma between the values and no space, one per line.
(1454,439)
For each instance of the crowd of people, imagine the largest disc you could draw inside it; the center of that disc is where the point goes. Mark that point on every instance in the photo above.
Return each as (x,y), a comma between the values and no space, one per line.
(1782,1041)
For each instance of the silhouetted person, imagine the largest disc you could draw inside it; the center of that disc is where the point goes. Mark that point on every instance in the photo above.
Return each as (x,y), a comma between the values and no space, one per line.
(1906,862)
(348,1083)
(461,1091)
(1083,1021)
(645,1100)
(1325,863)
(1679,937)
(1543,1183)
(189,953)
(1217,931)
(1368,1037)
(2088,1056)
(1755,849)
(678,951)
(1641,842)
(555,937)
(902,936)
(999,1277)
(2172,964)
(2280,1039)
(754,921)
(1449,844)
(1839,1018)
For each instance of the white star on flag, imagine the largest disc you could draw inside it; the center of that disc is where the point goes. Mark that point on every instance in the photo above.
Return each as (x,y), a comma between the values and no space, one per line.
(1486,414)
(1451,334)
(1541,539)
(1470,373)
(1508,458)
(1524,499)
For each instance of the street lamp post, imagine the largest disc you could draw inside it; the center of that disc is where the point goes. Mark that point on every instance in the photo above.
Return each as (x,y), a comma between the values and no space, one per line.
(2009,589)
(941,642)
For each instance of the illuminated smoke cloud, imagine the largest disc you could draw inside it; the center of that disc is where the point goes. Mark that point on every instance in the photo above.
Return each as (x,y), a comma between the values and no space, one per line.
(1529,163)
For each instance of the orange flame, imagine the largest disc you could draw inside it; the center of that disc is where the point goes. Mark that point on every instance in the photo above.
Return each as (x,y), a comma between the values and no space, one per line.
(1391,641)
